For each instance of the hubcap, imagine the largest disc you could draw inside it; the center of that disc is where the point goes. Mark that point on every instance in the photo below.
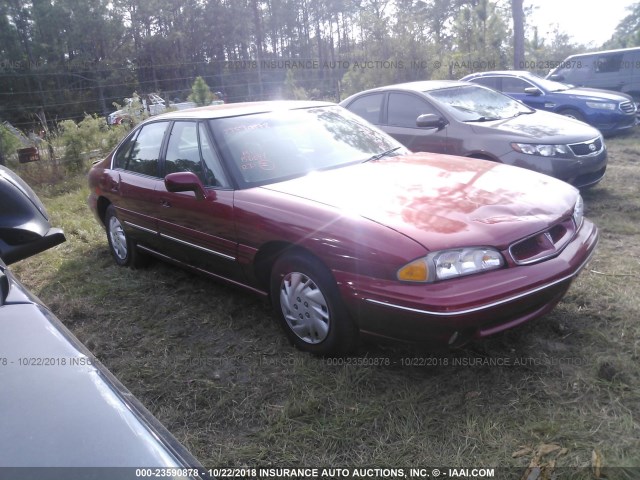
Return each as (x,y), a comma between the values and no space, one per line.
(304,307)
(118,238)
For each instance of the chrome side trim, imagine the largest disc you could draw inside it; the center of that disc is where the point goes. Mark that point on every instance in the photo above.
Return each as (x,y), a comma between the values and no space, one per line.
(138,227)
(193,245)
(201,270)
(488,305)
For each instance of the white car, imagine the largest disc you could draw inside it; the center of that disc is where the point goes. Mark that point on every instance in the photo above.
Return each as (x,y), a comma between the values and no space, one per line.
(60,406)
(152,104)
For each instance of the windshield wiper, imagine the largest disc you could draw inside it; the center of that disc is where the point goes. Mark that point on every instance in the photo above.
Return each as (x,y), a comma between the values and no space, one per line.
(524,112)
(378,156)
(483,119)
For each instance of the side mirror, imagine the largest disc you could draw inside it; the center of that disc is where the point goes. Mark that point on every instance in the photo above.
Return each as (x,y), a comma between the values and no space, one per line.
(533,91)
(24,224)
(185,182)
(431,120)
(556,77)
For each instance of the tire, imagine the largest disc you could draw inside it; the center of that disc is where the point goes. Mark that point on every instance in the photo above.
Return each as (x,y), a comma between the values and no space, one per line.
(571,113)
(122,247)
(306,300)
(479,156)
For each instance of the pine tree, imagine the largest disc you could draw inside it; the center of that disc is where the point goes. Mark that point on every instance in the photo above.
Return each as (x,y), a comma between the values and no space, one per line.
(200,93)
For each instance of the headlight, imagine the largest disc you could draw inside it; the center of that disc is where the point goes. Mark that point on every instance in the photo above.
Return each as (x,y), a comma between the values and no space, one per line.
(602,106)
(578,212)
(450,264)
(542,150)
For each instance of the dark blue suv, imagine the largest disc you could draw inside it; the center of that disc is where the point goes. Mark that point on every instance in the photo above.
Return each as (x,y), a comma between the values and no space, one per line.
(610,112)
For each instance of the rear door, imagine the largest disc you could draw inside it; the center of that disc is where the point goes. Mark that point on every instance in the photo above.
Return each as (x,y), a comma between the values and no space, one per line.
(136,163)
(198,231)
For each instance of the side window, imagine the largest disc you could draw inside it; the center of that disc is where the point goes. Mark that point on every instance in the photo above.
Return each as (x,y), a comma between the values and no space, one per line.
(404,109)
(578,70)
(514,85)
(213,173)
(183,154)
(491,82)
(368,107)
(124,152)
(608,63)
(145,150)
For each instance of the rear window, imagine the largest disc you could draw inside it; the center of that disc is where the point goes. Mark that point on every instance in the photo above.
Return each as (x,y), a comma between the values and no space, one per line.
(491,82)
(368,107)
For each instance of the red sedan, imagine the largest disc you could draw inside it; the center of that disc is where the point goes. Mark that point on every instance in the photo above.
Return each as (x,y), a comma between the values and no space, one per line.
(344,229)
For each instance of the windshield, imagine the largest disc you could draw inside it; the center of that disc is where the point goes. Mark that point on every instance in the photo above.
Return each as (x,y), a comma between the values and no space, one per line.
(473,103)
(269,147)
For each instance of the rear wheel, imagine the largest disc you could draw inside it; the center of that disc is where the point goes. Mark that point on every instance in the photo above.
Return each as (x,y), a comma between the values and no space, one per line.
(123,249)
(308,304)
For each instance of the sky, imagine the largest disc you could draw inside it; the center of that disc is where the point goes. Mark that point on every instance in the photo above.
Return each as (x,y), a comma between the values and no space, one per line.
(587,22)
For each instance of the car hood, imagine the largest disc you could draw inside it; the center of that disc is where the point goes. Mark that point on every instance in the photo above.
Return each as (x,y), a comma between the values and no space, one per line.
(441,201)
(65,409)
(595,94)
(539,127)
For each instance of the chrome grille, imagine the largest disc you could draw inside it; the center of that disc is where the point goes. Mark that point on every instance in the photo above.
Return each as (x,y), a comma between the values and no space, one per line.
(628,107)
(543,245)
(590,147)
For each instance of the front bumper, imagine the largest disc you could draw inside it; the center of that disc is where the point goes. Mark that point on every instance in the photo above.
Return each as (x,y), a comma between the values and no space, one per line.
(612,124)
(456,311)
(580,172)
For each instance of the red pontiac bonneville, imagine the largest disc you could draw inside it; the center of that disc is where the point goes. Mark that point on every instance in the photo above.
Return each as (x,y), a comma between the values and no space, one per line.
(343,228)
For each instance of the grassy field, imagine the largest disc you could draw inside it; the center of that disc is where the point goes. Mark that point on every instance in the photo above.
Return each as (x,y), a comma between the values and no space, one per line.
(561,393)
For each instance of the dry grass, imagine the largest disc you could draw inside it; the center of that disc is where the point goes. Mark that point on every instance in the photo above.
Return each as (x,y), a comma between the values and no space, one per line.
(212,365)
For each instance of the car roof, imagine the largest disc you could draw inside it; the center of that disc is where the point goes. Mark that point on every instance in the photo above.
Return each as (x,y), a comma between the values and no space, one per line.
(236,109)
(604,52)
(513,73)
(429,85)
(421,86)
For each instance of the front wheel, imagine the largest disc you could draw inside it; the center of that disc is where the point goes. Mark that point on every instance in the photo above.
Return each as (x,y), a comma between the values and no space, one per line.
(308,304)
(123,249)
(571,113)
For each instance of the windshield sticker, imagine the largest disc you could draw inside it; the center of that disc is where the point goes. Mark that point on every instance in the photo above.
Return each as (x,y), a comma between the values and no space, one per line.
(245,128)
(250,160)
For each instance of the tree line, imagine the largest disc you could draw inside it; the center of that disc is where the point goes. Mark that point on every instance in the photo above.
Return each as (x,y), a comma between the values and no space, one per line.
(60,59)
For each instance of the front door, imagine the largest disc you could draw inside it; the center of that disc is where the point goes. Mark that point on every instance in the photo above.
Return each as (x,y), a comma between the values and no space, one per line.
(403,110)
(198,231)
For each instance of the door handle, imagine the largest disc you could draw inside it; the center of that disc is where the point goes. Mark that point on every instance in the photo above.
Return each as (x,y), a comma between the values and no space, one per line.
(165,203)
